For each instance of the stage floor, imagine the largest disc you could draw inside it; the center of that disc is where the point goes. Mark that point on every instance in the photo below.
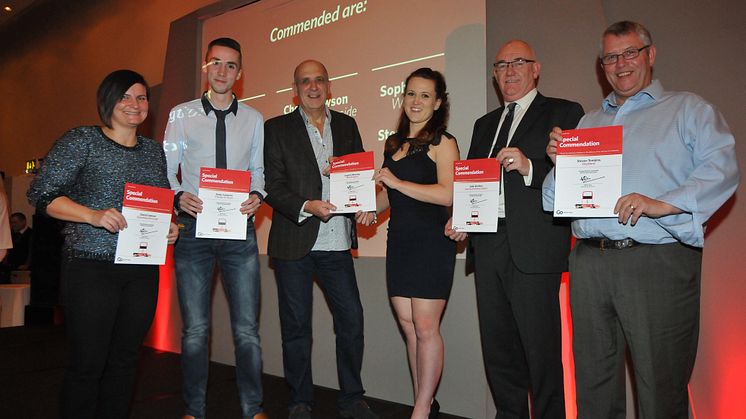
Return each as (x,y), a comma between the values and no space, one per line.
(32,361)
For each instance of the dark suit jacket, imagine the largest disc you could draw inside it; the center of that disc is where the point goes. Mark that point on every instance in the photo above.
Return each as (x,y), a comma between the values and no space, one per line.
(538,243)
(292,177)
(20,254)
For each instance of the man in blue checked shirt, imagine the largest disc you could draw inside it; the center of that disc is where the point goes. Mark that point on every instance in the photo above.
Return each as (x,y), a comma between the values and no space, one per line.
(635,279)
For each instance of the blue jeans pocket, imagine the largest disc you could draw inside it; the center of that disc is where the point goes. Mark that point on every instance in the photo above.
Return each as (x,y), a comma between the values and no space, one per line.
(187,225)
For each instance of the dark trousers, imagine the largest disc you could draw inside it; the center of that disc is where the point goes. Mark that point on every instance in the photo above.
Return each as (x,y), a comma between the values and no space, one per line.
(646,298)
(108,311)
(336,274)
(519,321)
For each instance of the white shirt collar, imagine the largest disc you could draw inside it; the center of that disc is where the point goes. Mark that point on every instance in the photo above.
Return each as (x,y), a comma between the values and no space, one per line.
(524,102)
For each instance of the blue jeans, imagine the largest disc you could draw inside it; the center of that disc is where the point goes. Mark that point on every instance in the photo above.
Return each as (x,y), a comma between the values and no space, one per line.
(336,275)
(239,266)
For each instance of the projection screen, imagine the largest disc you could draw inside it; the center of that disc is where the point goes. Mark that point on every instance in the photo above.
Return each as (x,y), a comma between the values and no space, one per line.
(368,47)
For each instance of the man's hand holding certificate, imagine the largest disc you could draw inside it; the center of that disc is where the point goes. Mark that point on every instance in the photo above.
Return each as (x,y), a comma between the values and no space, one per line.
(476,184)
(588,172)
(147,210)
(352,188)
(222,191)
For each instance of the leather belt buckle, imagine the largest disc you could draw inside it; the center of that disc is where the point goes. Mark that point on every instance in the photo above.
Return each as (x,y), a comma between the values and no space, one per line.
(608,244)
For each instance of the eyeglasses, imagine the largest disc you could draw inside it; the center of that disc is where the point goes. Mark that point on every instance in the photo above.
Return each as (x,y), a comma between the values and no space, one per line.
(628,54)
(516,64)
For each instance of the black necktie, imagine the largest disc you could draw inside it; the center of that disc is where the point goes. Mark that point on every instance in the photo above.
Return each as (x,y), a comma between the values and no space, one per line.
(220,156)
(502,136)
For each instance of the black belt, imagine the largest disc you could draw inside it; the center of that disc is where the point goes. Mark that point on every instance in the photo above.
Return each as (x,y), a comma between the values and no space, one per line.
(604,243)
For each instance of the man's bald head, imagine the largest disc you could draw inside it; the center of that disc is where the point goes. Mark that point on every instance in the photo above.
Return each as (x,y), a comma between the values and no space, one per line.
(309,64)
(516,69)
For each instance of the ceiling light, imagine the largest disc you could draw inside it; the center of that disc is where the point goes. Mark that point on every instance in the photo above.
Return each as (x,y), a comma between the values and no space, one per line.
(8,9)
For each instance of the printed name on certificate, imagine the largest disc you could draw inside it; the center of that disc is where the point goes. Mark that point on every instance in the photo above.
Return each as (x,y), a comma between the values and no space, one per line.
(588,172)
(476,187)
(148,211)
(222,191)
(352,188)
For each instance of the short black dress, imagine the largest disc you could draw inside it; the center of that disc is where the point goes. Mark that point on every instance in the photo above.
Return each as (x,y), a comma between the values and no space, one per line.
(420,259)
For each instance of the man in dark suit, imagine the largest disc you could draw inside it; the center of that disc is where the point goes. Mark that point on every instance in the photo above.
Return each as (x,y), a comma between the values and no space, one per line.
(518,269)
(19,257)
(306,239)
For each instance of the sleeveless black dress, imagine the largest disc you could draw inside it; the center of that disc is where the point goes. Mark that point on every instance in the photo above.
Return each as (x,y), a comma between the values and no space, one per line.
(420,259)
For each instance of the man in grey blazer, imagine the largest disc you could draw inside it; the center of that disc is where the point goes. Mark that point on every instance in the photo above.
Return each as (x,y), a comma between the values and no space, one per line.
(307,240)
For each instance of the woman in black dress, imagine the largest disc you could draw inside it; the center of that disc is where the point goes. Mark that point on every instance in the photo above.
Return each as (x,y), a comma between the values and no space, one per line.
(417,180)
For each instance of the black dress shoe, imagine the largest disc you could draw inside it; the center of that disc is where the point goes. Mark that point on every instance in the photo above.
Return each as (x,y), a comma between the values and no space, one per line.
(358,410)
(300,411)
(434,410)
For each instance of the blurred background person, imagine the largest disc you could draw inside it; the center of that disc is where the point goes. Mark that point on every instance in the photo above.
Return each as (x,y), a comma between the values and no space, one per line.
(6,241)
(19,257)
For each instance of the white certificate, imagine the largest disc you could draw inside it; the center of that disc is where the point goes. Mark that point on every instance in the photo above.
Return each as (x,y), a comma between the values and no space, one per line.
(476,187)
(352,188)
(222,191)
(588,172)
(147,210)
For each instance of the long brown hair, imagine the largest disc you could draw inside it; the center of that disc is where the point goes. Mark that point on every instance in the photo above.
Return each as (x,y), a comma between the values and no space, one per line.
(435,127)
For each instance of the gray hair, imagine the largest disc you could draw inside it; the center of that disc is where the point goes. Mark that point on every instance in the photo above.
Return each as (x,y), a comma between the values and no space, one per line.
(626,27)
